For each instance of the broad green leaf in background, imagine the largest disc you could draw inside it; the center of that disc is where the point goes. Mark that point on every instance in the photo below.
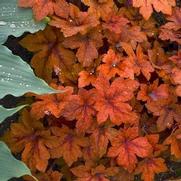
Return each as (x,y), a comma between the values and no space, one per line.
(9,166)
(15,21)
(17,77)
(5,113)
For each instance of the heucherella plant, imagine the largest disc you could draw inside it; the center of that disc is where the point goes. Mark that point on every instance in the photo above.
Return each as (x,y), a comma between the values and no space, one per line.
(100,94)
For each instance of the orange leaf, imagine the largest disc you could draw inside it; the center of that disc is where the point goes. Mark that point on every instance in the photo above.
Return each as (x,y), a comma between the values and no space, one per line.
(115,64)
(151,166)
(170,35)
(174,20)
(129,34)
(87,46)
(140,60)
(176,76)
(75,22)
(153,92)
(126,146)
(41,8)
(157,148)
(81,107)
(133,35)
(70,144)
(157,55)
(171,30)
(86,78)
(146,7)
(25,3)
(50,175)
(86,173)
(112,100)
(115,23)
(99,7)
(49,54)
(50,104)
(174,140)
(99,141)
(33,139)
(177,59)
(167,112)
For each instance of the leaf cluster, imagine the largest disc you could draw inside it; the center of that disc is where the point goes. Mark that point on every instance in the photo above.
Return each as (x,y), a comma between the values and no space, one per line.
(119,71)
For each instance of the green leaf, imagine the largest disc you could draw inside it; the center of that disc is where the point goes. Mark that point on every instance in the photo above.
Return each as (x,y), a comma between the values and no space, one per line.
(15,21)
(9,166)
(17,77)
(5,113)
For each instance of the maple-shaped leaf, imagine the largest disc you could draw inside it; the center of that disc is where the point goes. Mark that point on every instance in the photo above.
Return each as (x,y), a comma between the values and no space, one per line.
(89,74)
(42,8)
(140,60)
(30,137)
(132,14)
(157,106)
(115,23)
(99,7)
(50,104)
(147,26)
(178,90)
(116,64)
(50,55)
(176,76)
(153,91)
(70,144)
(123,175)
(81,107)
(153,139)
(151,166)
(174,20)
(89,153)
(75,22)
(86,173)
(176,59)
(130,34)
(171,30)
(86,78)
(126,146)
(99,140)
(157,55)
(87,46)
(176,79)
(146,7)
(112,100)
(159,60)
(133,35)
(49,175)
(174,140)
(167,111)
(171,35)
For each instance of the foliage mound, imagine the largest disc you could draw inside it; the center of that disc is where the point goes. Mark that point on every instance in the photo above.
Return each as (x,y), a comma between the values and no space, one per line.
(117,65)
